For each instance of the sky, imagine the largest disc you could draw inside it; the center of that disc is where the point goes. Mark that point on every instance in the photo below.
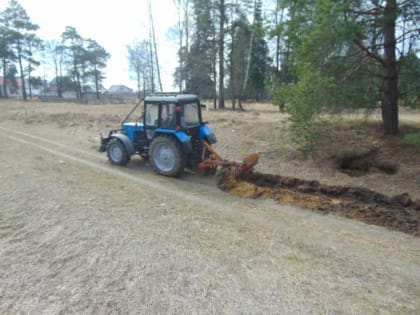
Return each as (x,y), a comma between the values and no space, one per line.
(113,24)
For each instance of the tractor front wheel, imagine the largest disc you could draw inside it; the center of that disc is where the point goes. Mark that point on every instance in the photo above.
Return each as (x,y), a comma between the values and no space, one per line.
(117,153)
(166,156)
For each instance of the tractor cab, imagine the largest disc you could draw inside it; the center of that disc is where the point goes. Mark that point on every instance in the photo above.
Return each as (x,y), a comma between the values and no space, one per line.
(171,113)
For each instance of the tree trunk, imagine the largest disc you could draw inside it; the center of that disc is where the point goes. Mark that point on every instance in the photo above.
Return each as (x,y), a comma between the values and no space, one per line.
(152,68)
(57,70)
(98,95)
(278,22)
(5,78)
(221,54)
(59,87)
(22,77)
(214,60)
(154,54)
(138,76)
(240,103)
(29,80)
(181,63)
(248,63)
(78,84)
(390,84)
(231,62)
(180,42)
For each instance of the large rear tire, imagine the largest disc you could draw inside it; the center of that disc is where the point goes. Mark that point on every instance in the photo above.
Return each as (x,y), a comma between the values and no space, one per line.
(117,152)
(166,156)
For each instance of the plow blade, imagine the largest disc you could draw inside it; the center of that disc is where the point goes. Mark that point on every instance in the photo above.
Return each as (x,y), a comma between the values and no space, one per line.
(215,160)
(248,164)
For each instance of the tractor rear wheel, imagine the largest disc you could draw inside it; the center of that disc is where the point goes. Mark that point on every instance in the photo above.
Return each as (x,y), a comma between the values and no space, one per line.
(117,153)
(166,156)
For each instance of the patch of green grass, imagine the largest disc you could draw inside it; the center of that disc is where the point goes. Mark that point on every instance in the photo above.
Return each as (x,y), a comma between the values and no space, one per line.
(412,138)
(293,259)
(66,120)
(73,120)
(282,141)
(61,122)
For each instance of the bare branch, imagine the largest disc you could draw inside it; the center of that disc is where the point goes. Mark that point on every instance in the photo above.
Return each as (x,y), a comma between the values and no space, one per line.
(417,30)
(370,53)
(373,11)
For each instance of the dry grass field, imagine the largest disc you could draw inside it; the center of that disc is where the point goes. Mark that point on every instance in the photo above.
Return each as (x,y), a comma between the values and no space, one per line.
(78,235)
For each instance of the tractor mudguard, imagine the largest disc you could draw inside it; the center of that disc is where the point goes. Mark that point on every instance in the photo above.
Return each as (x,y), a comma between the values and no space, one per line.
(126,141)
(180,135)
(207,133)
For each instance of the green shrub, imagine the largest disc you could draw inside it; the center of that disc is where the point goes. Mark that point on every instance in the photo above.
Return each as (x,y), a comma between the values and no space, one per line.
(412,138)
(305,102)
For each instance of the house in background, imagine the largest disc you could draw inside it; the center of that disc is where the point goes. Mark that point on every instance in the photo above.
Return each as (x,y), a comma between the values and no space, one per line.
(12,88)
(49,92)
(119,89)
(67,89)
(120,92)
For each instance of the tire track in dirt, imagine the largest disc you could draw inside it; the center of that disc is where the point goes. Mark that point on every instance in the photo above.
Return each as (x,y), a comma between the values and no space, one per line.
(55,143)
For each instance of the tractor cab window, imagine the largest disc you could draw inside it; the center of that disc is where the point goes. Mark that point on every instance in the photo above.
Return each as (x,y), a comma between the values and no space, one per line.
(191,116)
(168,116)
(152,115)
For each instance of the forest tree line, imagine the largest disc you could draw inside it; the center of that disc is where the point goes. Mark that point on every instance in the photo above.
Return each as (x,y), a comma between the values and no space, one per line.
(315,56)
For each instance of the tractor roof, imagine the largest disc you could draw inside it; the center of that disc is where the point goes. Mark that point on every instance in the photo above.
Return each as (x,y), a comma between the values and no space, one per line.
(171,97)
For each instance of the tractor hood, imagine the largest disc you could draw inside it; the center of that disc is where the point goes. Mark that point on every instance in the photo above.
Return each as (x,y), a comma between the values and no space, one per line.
(131,127)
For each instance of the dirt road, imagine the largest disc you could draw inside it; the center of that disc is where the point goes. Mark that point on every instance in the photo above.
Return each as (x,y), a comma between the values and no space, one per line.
(78,235)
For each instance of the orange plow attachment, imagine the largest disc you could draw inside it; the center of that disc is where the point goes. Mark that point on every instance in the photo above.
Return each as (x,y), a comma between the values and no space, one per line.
(215,160)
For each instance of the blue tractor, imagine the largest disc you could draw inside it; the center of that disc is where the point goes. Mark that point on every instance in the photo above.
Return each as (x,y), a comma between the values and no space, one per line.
(171,134)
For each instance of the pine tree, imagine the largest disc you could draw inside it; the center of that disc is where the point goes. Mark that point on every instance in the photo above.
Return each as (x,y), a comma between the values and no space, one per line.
(221,49)
(199,66)
(6,56)
(97,58)
(56,52)
(259,58)
(73,43)
(183,31)
(240,33)
(18,28)
(32,44)
(345,57)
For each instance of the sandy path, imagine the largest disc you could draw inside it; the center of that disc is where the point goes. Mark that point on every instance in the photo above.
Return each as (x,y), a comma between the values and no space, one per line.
(78,235)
